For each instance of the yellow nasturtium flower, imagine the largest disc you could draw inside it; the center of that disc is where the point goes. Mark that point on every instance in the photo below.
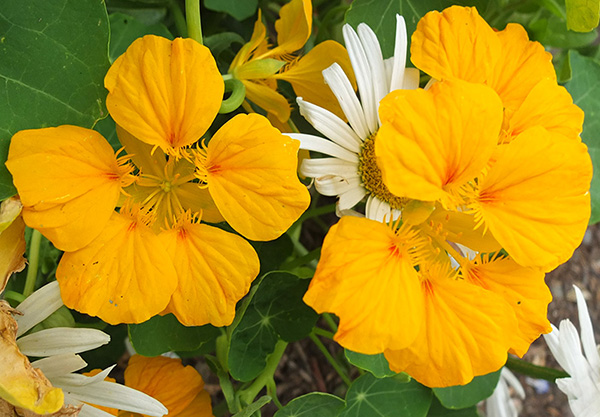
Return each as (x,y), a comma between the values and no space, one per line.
(433,290)
(153,255)
(259,66)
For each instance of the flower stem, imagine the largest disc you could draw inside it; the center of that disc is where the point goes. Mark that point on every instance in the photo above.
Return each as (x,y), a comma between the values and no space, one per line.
(33,258)
(331,359)
(247,395)
(322,332)
(192,16)
(534,371)
(179,18)
(330,321)
(237,97)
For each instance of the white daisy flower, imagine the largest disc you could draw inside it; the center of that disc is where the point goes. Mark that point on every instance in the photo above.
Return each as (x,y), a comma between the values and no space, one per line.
(59,347)
(499,404)
(350,172)
(583,385)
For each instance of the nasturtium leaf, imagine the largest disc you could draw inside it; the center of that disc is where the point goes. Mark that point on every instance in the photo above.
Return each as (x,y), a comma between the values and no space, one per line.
(313,404)
(369,396)
(462,396)
(109,354)
(553,32)
(582,15)
(380,15)
(438,410)
(250,409)
(273,253)
(124,29)
(585,89)
(162,334)
(376,364)
(276,311)
(53,58)
(240,10)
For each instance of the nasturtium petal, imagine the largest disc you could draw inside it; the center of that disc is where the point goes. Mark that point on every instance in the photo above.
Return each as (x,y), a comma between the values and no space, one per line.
(520,67)
(306,75)
(165,379)
(550,106)
(455,43)
(252,177)
(123,276)
(21,384)
(147,161)
(215,269)
(366,277)
(535,198)
(266,97)
(199,407)
(198,200)
(165,93)
(522,288)
(293,26)
(69,182)
(466,332)
(433,141)
(461,228)
(259,37)
(12,243)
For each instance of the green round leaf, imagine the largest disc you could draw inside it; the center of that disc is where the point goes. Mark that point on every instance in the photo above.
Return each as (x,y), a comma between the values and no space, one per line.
(239,9)
(372,397)
(463,396)
(376,364)
(275,311)
(53,58)
(310,405)
(125,29)
(163,334)
(438,410)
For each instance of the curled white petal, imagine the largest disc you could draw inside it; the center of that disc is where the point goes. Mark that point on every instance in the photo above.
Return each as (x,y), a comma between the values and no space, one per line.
(375,58)
(317,144)
(380,211)
(342,89)
(400,49)
(335,185)
(330,125)
(587,333)
(61,340)
(411,79)
(351,198)
(38,306)
(60,365)
(318,167)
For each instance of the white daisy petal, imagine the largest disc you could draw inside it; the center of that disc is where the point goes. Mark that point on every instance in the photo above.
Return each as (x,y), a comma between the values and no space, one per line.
(363,74)
(315,168)
(61,340)
(513,382)
(327,147)
(380,211)
(342,89)
(91,411)
(38,307)
(587,333)
(400,49)
(110,394)
(59,365)
(335,185)
(411,79)
(330,125)
(375,59)
(351,198)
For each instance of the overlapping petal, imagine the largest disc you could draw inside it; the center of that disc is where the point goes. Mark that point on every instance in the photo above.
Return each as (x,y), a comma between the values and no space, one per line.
(265,96)
(455,43)
(306,76)
(123,276)
(466,332)
(293,26)
(433,141)
(251,175)
(20,383)
(165,93)
(69,182)
(366,277)
(167,380)
(535,197)
(215,269)
(522,288)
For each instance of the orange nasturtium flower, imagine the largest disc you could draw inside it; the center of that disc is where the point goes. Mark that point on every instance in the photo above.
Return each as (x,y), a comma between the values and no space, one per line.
(153,255)
(259,67)
(457,281)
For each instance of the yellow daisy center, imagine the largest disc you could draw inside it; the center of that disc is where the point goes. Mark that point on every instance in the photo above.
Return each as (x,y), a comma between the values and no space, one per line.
(370,175)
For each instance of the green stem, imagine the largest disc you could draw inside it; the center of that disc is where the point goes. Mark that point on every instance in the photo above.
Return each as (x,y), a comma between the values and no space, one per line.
(331,359)
(237,97)
(330,321)
(248,395)
(13,295)
(303,260)
(179,18)
(272,392)
(322,332)
(192,16)
(34,259)
(534,371)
